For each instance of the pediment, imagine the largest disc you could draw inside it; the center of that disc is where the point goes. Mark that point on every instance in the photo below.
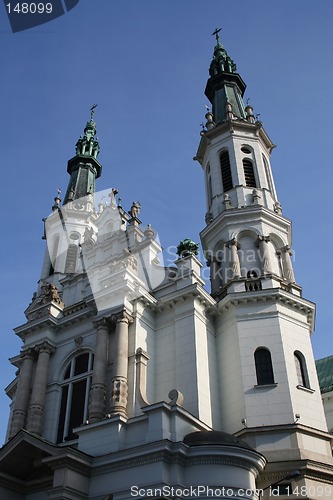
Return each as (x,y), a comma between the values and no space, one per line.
(21,458)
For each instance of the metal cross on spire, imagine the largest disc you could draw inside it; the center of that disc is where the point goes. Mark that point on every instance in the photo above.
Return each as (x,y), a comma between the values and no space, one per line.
(92,109)
(216,33)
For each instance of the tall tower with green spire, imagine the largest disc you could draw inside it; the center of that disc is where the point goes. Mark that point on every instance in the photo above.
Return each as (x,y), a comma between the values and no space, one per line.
(84,168)
(269,393)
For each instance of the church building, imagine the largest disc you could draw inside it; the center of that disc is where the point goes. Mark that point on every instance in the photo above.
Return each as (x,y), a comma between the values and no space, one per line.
(133,380)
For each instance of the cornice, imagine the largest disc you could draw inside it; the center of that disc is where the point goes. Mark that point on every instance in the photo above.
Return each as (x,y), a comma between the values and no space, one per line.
(277,295)
(71,314)
(179,453)
(193,291)
(244,214)
(232,126)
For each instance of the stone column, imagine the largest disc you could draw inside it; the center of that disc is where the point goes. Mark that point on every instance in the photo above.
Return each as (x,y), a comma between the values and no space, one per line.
(119,388)
(262,243)
(36,408)
(23,392)
(98,386)
(215,278)
(288,270)
(234,264)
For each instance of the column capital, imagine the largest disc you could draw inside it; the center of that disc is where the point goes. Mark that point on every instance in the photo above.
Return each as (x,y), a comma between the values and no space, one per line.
(286,248)
(232,242)
(28,353)
(45,347)
(211,259)
(102,322)
(263,238)
(122,317)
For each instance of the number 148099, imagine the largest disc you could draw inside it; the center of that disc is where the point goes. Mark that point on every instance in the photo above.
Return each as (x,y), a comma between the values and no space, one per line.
(29,8)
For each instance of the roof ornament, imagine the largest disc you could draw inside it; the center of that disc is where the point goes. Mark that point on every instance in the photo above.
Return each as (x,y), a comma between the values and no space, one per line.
(92,110)
(187,247)
(57,201)
(216,33)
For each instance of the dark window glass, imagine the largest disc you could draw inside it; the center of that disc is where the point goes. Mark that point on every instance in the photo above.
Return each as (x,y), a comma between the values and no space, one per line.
(250,180)
(81,364)
(264,368)
(62,416)
(77,407)
(68,372)
(54,255)
(226,171)
(75,396)
(302,376)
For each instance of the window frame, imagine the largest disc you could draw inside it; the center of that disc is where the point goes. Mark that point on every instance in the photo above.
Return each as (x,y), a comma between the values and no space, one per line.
(226,174)
(249,175)
(66,409)
(264,367)
(301,370)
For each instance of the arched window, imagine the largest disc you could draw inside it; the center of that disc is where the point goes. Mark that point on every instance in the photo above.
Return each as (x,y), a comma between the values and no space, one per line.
(209,186)
(71,258)
(268,176)
(75,396)
(210,190)
(301,371)
(226,171)
(264,367)
(250,180)
(53,255)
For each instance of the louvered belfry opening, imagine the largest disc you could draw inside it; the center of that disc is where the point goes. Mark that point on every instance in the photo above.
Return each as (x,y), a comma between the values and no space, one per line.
(226,171)
(250,180)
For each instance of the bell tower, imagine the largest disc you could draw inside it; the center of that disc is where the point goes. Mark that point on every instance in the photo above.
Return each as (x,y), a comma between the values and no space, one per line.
(269,393)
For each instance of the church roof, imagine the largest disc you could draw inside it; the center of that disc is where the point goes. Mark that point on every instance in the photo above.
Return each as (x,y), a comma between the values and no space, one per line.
(325,373)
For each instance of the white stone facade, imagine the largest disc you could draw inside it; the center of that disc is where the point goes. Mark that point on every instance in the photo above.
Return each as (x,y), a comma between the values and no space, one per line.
(133,375)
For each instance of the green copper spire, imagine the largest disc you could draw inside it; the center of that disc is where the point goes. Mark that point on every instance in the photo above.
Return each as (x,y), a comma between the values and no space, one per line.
(225,88)
(221,62)
(84,168)
(88,144)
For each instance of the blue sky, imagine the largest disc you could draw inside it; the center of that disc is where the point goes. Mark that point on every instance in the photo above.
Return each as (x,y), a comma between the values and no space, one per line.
(145,62)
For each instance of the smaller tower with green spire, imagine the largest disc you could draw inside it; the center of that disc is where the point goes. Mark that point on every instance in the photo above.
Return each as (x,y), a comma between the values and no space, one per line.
(84,168)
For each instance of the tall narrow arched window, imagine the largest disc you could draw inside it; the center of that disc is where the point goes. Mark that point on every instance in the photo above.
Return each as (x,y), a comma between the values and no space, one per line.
(301,371)
(71,258)
(226,171)
(209,186)
(250,180)
(210,190)
(264,367)
(75,396)
(268,176)
(53,255)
